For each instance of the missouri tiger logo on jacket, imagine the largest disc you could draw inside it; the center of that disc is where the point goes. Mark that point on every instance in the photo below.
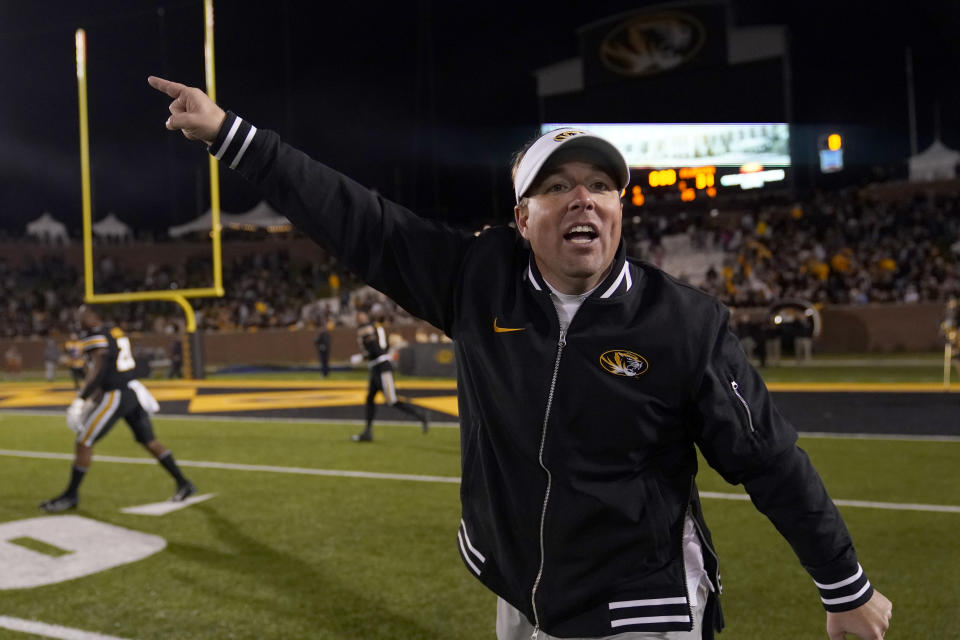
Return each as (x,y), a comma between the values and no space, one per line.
(624,363)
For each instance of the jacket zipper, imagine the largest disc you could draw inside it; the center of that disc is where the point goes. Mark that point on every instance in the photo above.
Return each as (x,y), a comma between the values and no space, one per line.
(546,497)
(746,407)
(683,565)
(703,545)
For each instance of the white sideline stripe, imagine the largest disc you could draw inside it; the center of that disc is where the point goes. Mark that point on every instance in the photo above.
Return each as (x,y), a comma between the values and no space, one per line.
(233,418)
(877,436)
(244,467)
(51,630)
(165,507)
(449,424)
(896,506)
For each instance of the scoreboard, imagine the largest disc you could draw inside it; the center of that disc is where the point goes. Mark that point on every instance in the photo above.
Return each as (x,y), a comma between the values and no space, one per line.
(697,160)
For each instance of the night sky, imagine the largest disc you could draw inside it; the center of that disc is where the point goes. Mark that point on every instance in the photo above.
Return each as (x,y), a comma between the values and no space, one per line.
(422,100)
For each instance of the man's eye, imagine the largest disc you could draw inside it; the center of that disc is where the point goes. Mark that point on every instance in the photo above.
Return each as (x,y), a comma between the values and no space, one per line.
(600,185)
(555,188)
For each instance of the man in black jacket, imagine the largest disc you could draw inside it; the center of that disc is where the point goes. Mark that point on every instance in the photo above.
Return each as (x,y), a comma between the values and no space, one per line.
(585,382)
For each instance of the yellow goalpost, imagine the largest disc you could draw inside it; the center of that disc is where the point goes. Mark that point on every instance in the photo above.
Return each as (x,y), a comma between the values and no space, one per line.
(192,347)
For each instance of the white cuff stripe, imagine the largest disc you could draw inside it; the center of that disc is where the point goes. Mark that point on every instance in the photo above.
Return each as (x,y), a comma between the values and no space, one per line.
(243,148)
(847,598)
(842,583)
(228,139)
(653,602)
(470,544)
(466,556)
(650,620)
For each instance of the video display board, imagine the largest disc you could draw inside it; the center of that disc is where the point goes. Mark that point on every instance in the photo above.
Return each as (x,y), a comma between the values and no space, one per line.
(697,157)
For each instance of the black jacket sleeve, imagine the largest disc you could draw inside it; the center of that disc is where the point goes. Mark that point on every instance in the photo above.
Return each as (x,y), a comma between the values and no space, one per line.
(413,260)
(744,437)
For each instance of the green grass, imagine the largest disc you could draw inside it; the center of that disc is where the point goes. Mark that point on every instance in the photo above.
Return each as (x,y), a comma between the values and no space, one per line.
(278,555)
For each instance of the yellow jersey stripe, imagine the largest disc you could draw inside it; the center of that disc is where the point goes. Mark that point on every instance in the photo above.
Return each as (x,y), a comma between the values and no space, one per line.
(94,342)
(106,405)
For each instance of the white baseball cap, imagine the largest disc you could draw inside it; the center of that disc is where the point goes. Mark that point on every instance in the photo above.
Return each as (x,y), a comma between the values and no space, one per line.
(567,138)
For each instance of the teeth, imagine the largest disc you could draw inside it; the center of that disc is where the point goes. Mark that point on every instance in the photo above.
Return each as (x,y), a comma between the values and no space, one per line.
(581,228)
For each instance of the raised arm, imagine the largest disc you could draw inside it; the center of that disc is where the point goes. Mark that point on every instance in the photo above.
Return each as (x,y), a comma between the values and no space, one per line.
(744,437)
(413,260)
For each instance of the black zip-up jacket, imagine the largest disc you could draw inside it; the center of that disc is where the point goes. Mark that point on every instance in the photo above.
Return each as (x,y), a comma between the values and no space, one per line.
(578,450)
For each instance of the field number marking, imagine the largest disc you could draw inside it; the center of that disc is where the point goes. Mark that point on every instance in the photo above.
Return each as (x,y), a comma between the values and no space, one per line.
(91,547)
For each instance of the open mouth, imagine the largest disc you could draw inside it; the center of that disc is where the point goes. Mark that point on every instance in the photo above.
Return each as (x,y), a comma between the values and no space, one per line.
(581,234)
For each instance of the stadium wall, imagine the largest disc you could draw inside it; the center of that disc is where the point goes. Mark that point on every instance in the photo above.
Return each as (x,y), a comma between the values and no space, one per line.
(231,348)
(846,329)
(881,328)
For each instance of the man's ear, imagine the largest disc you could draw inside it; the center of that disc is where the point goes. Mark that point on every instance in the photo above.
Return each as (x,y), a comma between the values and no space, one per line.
(520,214)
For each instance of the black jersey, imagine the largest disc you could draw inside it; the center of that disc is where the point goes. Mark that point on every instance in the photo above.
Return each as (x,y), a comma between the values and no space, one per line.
(118,364)
(373,341)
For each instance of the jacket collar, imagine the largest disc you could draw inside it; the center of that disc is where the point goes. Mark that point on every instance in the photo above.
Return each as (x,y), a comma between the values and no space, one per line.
(618,282)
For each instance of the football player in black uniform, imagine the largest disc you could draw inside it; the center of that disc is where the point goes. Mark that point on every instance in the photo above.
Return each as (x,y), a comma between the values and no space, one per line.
(376,351)
(115,393)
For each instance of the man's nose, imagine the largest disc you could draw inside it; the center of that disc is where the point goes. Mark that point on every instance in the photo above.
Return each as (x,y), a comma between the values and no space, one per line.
(581,196)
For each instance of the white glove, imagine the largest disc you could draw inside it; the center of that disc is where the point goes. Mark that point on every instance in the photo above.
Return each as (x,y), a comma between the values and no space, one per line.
(144,397)
(356,359)
(75,415)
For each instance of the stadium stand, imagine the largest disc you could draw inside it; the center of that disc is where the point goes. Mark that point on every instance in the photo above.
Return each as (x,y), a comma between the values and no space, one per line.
(837,248)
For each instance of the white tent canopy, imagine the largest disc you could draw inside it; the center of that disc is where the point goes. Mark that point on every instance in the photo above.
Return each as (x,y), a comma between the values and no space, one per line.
(936,162)
(262,216)
(112,227)
(46,227)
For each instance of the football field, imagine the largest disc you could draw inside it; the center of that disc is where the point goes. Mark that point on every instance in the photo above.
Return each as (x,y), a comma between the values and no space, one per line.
(304,534)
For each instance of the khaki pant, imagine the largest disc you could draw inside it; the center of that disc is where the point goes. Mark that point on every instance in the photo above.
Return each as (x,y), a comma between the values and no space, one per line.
(512,625)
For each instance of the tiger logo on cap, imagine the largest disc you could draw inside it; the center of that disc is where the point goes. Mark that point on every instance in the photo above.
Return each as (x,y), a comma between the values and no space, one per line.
(563,135)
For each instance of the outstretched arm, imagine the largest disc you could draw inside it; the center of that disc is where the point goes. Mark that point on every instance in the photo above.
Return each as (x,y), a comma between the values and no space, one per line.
(413,260)
(192,112)
(744,437)
(869,621)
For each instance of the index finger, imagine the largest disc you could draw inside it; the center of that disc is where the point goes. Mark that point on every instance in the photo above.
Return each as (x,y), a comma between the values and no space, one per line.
(172,89)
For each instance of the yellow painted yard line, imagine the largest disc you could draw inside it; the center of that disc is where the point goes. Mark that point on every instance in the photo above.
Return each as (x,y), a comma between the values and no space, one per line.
(402,383)
(41,398)
(268,400)
(847,387)
(444,404)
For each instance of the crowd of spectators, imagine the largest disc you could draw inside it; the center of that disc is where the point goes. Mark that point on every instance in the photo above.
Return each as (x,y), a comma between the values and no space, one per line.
(831,249)
(261,291)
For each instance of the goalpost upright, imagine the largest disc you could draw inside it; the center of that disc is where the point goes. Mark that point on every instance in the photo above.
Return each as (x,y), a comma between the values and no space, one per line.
(192,347)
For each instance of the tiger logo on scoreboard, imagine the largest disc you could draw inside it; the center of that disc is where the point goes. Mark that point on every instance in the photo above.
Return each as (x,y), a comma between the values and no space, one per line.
(652,43)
